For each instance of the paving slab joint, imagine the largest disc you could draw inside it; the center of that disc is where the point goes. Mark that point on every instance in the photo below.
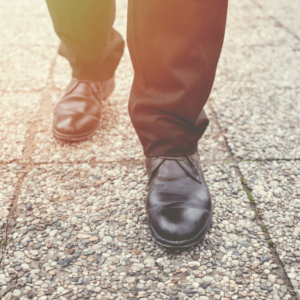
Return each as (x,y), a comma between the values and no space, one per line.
(26,162)
(277,22)
(5,241)
(45,106)
(269,159)
(128,163)
(264,228)
(257,213)
(8,291)
(231,158)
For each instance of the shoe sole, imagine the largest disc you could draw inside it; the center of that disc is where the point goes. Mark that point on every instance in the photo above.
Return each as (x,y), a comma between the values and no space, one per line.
(81,137)
(182,245)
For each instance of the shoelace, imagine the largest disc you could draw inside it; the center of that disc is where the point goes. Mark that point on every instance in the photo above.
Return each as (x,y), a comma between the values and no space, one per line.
(92,85)
(180,158)
(171,157)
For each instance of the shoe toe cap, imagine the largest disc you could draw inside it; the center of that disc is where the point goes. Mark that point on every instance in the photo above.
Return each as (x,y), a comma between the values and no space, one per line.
(74,124)
(179,224)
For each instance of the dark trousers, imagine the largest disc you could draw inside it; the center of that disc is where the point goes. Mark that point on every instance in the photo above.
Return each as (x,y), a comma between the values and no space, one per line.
(174,46)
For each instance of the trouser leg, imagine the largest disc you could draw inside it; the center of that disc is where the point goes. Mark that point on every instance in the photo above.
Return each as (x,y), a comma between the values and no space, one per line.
(88,39)
(175,47)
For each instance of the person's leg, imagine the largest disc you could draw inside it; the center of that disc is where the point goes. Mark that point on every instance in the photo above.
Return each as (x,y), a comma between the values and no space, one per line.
(94,50)
(88,39)
(175,46)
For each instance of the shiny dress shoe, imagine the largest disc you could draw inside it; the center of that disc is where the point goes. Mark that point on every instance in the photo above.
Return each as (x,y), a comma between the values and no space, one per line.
(179,205)
(77,115)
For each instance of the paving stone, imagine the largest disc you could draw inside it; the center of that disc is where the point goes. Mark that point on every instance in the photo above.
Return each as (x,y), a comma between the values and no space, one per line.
(8,181)
(23,31)
(285,12)
(16,63)
(25,64)
(18,111)
(9,176)
(256,90)
(106,207)
(276,190)
(28,45)
(80,230)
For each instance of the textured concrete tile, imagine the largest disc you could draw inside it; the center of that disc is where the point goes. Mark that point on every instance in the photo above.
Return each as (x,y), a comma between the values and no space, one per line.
(87,228)
(256,24)
(32,28)
(9,175)
(286,12)
(21,8)
(276,190)
(256,92)
(212,146)
(25,69)
(28,45)
(18,110)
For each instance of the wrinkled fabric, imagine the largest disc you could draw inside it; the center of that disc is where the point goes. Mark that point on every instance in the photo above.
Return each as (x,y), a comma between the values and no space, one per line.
(88,40)
(174,46)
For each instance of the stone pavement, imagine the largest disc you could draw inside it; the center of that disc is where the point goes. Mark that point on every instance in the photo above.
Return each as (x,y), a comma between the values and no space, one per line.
(72,216)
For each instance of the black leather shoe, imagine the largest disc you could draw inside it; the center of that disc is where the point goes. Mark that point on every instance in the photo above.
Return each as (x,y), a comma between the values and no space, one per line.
(179,205)
(77,115)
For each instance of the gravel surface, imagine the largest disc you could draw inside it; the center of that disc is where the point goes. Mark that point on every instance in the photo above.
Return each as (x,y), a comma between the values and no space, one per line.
(28,45)
(18,111)
(81,232)
(73,223)
(284,12)
(256,93)
(276,189)
(9,177)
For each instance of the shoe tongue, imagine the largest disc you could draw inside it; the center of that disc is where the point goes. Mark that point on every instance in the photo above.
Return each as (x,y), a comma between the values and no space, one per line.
(170,168)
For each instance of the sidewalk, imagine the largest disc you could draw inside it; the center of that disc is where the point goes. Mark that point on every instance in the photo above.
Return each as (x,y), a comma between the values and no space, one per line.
(72,216)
